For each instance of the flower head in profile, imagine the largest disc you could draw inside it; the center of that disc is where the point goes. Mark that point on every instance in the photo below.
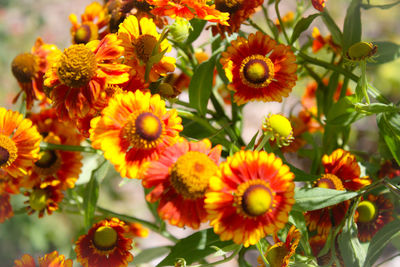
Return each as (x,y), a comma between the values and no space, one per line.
(259,69)
(43,198)
(29,70)
(318,4)
(250,197)
(361,51)
(279,254)
(279,129)
(342,172)
(239,11)
(180,179)
(48,260)
(19,143)
(77,80)
(189,9)
(372,214)
(134,128)
(92,26)
(105,244)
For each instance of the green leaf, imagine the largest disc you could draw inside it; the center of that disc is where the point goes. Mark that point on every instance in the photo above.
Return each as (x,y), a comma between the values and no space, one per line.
(251,144)
(387,51)
(300,175)
(225,250)
(337,35)
(389,125)
(352,25)
(195,247)
(387,6)
(380,240)
(197,25)
(308,199)
(342,113)
(201,84)
(301,26)
(375,108)
(150,254)
(330,91)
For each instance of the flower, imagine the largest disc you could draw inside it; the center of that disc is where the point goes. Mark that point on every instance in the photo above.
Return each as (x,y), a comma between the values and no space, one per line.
(188,9)
(180,179)
(19,143)
(140,38)
(389,169)
(239,11)
(43,197)
(29,69)
(318,4)
(341,173)
(136,230)
(279,254)
(371,215)
(94,19)
(361,51)
(134,128)
(250,197)
(105,245)
(319,42)
(279,128)
(259,69)
(48,260)
(78,78)
(6,210)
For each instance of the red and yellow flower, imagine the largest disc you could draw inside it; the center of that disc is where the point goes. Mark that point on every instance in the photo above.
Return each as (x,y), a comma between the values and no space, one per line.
(92,26)
(78,78)
(371,215)
(259,69)
(318,4)
(105,245)
(342,172)
(29,69)
(180,179)
(250,197)
(133,129)
(189,9)
(43,198)
(48,260)
(320,42)
(239,11)
(19,143)
(6,210)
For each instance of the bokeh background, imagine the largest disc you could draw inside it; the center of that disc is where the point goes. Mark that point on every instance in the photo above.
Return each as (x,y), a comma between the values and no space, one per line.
(22,21)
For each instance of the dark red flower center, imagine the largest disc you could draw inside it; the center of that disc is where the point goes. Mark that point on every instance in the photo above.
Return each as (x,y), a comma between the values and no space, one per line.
(25,67)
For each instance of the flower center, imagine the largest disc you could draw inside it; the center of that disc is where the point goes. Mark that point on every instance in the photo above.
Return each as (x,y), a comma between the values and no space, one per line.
(76,66)
(38,199)
(256,71)
(85,33)
(48,163)
(366,211)
(330,181)
(280,125)
(105,238)
(144,130)
(276,255)
(191,173)
(253,198)
(8,151)
(144,46)
(361,50)
(25,67)
(230,6)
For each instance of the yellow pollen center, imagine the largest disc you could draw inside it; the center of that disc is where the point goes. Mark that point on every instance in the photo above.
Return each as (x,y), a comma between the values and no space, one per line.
(256,71)
(366,211)
(76,66)
(144,46)
(8,151)
(281,125)
(85,33)
(276,255)
(25,67)
(230,6)
(105,238)
(38,199)
(330,181)
(143,131)
(191,173)
(257,200)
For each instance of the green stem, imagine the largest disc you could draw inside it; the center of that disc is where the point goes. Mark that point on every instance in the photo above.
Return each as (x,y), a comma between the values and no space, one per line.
(49,146)
(258,245)
(252,23)
(222,261)
(280,21)
(151,226)
(364,83)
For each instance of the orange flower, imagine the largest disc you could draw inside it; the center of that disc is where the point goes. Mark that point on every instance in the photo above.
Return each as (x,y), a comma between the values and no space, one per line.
(239,11)
(180,178)
(133,129)
(78,78)
(319,42)
(19,143)
(250,197)
(318,4)
(94,19)
(341,173)
(43,197)
(104,245)
(136,230)
(371,215)
(29,69)
(6,210)
(48,260)
(280,253)
(259,69)
(188,9)
(387,169)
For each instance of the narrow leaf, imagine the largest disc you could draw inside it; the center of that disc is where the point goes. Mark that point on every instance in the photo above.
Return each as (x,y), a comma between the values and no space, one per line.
(333,28)
(342,113)
(389,125)
(387,51)
(197,25)
(352,25)
(150,254)
(301,26)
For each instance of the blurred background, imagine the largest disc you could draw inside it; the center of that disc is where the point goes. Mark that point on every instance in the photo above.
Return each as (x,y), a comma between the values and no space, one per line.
(22,21)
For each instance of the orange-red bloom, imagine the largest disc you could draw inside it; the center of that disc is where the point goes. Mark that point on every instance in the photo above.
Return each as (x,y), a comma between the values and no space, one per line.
(180,179)
(48,260)
(318,4)
(6,210)
(319,42)
(105,245)
(133,129)
(250,197)
(259,69)
(43,198)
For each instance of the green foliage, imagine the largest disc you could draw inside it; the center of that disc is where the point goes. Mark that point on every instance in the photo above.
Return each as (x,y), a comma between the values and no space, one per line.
(352,25)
